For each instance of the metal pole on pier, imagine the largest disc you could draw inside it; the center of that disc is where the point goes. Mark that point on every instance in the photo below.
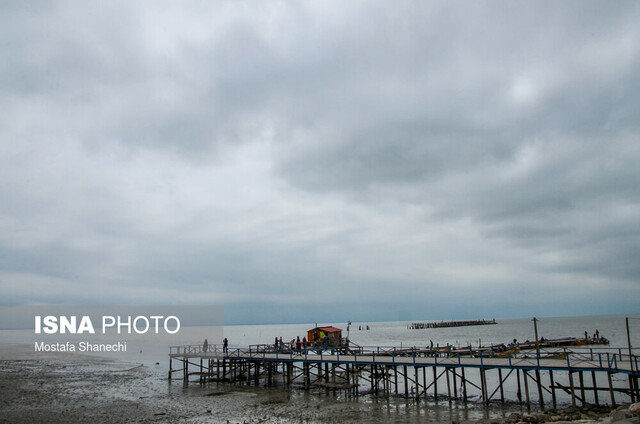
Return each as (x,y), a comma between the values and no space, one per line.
(631,378)
(535,329)
(629,342)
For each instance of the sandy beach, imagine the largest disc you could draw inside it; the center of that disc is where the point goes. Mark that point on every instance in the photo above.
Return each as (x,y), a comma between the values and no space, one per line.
(102,391)
(58,390)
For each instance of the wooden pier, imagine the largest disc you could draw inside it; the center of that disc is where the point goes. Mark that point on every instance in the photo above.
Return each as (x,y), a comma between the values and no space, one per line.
(580,376)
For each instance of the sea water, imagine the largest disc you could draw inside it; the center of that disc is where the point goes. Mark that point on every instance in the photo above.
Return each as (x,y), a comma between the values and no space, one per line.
(398,333)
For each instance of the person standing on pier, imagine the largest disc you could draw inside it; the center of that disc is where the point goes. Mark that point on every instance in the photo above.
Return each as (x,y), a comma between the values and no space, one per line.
(225,345)
(205,346)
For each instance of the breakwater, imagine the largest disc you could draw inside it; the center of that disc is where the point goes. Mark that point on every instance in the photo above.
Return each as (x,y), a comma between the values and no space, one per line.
(442,324)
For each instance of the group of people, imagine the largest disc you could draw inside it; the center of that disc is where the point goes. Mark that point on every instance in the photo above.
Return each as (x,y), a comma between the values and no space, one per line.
(295,345)
(596,335)
(298,345)
(225,345)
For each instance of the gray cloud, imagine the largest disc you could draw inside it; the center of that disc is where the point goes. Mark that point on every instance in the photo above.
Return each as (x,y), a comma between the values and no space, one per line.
(299,160)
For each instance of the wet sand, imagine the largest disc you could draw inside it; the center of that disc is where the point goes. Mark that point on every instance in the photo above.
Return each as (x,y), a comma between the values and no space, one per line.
(81,390)
(74,388)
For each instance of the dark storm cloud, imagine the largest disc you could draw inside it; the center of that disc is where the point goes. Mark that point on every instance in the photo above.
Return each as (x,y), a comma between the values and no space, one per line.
(264,155)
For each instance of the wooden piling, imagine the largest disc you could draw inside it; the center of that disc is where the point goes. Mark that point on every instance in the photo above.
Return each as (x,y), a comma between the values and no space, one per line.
(448,384)
(539,383)
(333,377)
(326,375)
(573,392)
(525,377)
(405,377)
(613,398)
(553,390)
(395,376)
(455,383)
(464,385)
(595,387)
(483,386)
(581,380)
(435,384)
(355,372)
(424,380)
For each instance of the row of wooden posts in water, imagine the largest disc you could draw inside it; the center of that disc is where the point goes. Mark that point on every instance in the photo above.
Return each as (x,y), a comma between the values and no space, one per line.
(443,324)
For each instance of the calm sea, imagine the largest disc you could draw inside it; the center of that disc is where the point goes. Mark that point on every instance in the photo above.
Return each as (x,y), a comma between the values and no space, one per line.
(387,334)
(398,334)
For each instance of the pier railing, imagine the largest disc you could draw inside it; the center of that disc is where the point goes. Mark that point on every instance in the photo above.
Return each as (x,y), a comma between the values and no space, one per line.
(604,358)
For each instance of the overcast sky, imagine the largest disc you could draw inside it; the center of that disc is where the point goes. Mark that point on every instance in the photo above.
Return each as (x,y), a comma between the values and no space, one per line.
(322,161)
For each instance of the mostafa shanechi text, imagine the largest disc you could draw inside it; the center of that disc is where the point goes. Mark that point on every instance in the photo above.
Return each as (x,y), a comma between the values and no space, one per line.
(80,347)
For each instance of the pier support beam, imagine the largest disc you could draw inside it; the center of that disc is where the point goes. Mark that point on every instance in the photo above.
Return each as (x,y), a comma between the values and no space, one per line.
(464,385)
(405,377)
(595,387)
(573,391)
(483,386)
(424,381)
(539,383)
(581,380)
(448,384)
(435,384)
(613,398)
(525,375)
(519,393)
(553,390)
